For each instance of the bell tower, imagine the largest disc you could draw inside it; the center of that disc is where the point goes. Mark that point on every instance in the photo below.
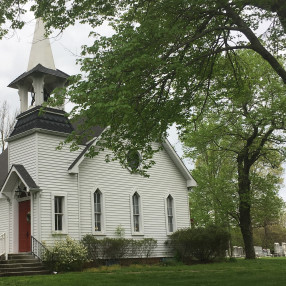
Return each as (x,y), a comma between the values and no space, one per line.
(40,80)
(41,77)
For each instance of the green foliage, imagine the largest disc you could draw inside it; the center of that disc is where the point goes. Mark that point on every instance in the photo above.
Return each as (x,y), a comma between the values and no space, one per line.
(203,243)
(216,199)
(120,231)
(148,74)
(116,248)
(262,236)
(268,235)
(66,255)
(242,121)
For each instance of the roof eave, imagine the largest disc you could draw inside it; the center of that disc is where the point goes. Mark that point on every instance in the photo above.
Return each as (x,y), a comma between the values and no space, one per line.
(179,163)
(14,169)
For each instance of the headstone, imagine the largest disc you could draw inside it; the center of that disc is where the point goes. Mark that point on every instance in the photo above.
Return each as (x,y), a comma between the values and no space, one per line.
(240,251)
(277,249)
(258,251)
(283,249)
(268,252)
(235,251)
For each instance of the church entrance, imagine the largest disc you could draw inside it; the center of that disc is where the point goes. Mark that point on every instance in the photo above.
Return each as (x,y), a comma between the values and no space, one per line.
(24,226)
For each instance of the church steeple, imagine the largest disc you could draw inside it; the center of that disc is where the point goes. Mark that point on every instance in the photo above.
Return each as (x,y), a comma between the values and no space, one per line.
(42,77)
(41,51)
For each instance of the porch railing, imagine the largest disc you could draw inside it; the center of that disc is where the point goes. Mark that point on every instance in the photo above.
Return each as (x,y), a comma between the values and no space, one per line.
(3,245)
(38,249)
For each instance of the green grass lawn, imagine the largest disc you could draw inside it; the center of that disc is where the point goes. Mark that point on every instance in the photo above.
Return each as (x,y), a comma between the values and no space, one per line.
(266,271)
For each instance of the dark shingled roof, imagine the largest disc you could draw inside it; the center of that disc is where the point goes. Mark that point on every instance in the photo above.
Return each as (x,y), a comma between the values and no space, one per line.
(3,166)
(87,134)
(50,119)
(80,155)
(26,176)
(38,69)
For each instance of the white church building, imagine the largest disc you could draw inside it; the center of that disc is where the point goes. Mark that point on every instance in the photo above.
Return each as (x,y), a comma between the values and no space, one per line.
(48,194)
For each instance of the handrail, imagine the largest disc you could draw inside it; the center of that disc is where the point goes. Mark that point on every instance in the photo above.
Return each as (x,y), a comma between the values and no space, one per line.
(38,249)
(3,244)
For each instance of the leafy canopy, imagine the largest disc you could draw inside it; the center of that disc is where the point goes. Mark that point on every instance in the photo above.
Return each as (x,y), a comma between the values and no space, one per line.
(147,75)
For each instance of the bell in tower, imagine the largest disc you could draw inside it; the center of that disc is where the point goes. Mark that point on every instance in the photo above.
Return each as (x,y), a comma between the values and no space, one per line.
(41,77)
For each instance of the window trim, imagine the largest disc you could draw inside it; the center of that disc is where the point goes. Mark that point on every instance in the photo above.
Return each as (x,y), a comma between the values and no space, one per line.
(103,228)
(174,213)
(141,214)
(65,213)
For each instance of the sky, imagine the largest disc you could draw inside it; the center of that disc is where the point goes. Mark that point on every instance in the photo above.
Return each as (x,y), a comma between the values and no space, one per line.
(66,47)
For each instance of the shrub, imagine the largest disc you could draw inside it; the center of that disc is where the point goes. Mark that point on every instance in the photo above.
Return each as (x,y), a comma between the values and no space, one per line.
(116,248)
(204,244)
(66,255)
(92,246)
(148,246)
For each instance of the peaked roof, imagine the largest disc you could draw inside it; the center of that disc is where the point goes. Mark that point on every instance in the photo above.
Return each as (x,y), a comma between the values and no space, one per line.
(19,171)
(73,168)
(81,155)
(38,69)
(41,52)
(27,179)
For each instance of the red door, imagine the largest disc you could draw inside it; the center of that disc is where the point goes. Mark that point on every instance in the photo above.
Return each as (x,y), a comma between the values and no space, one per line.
(24,227)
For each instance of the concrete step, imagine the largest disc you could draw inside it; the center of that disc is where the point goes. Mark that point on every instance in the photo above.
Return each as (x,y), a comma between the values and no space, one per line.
(14,265)
(22,264)
(19,261)
(20,256)
(22,269)
(24,273)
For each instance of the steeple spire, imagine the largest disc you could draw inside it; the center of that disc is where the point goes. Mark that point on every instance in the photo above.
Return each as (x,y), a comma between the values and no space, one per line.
(42,76)
(41,52)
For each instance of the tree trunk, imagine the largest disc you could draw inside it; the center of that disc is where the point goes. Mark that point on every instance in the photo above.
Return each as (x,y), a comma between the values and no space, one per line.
(244,210)
(266,234)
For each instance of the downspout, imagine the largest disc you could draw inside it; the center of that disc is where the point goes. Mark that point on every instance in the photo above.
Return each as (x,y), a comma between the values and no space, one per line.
(79,216)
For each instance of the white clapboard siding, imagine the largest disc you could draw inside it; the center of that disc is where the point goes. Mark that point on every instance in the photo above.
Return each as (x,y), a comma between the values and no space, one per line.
(117,185)
(4,218)
(24,151)
(53,177)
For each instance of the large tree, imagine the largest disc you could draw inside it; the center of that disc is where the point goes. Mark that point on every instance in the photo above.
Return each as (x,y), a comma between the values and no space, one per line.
(244,116)
(216,197)
(148,75)
(144,78)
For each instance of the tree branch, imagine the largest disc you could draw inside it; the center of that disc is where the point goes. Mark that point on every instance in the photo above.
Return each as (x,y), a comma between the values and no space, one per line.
(255,43)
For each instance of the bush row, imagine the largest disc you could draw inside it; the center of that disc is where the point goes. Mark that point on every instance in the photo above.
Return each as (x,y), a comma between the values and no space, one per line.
(204,244)
(116,248)
(70,255)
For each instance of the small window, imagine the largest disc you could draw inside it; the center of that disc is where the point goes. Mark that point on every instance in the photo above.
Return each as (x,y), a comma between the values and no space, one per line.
(59,213)
(136,212)
(170,213)
(133,159)
(97,210)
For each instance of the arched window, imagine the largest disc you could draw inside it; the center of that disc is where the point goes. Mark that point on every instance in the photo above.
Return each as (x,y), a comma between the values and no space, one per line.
(97,210)
(133,159)
(170,213)
(136,212)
